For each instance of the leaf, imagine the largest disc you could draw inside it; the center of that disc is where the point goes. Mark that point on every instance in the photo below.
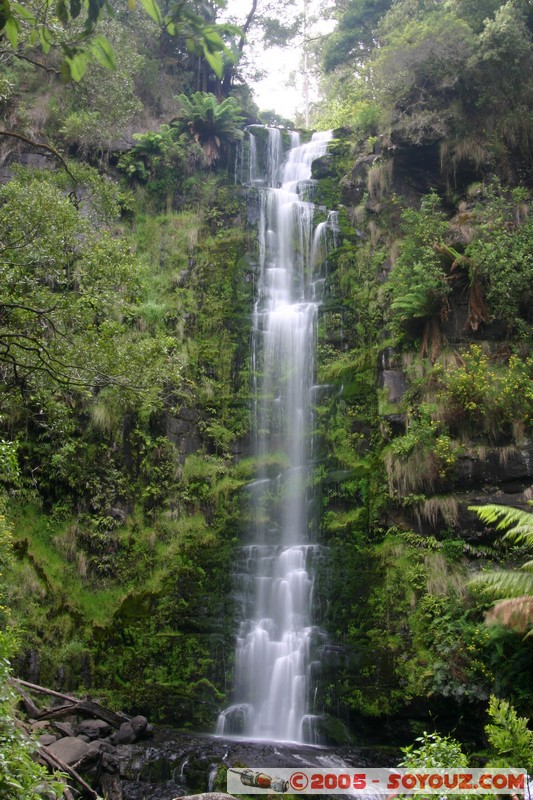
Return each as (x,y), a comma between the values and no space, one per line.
(5,13)
(214,60)
(11,30)
(213,39)
(23,12)
(153,10)
(132,5)
(43,38)
(95,7)
(77,66)
(75,8)
(62,12)
(103,52)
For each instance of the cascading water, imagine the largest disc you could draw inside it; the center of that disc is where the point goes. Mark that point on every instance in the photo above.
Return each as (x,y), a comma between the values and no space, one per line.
(274,658)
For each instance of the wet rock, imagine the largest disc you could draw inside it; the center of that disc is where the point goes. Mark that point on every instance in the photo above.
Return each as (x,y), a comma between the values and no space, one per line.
(394,383)
(72,750)
(160,769)
(496,465)
(111,787)
(104,746)
(323,167)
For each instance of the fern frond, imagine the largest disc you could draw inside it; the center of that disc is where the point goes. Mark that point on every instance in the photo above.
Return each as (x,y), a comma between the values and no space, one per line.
(507,583)
(522,521)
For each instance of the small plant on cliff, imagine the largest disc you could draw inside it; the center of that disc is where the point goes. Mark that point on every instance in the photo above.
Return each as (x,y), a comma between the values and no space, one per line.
(418,286)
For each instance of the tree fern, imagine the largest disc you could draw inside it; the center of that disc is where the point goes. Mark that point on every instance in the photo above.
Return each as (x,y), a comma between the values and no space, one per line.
(515,610)
(211,123)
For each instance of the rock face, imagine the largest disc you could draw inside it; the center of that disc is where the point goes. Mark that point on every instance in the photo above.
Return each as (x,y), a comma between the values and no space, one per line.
(496,465)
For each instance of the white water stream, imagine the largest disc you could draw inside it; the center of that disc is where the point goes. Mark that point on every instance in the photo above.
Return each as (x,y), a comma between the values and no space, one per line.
(274,657)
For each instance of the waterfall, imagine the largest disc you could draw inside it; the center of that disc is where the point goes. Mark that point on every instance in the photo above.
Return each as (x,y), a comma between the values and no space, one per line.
(275,661)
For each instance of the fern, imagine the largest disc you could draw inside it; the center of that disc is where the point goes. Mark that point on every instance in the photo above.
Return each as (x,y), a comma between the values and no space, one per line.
(522,521)
(515,610)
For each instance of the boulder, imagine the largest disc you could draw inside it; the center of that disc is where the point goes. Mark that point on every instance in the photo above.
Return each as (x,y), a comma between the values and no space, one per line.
(139,725)
(125,734)
(72,750)
(63,728)
(94,728)
(47,739)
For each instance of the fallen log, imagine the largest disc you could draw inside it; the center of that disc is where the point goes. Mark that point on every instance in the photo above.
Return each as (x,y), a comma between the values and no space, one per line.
(73,705)
(32,710)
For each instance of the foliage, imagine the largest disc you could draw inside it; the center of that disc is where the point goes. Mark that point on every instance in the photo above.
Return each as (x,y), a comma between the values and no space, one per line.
(500,253)
(510,739)
(434,750)
(105,102)
(162,161)
(74,29)
(418,285)
(485,398)
(21,778)
(418,70)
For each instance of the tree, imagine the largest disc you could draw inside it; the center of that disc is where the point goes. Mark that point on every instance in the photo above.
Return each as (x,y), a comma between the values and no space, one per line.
(354,36)
(515,586)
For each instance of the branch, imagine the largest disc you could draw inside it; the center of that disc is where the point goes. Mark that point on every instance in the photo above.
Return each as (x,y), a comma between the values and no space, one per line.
(246,25)
(30,61)
(46,147)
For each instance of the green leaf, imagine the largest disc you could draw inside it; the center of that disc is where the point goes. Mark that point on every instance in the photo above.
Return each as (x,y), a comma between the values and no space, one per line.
(62,11)
(43,38)
(153,10)
(12,31)
(103,52)
(213,39)
(214,60)
(77,66)
(23,12)
(95,7)
(5,13)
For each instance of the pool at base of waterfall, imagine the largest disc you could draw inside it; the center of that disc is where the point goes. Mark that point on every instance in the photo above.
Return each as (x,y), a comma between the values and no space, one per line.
(176,763)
